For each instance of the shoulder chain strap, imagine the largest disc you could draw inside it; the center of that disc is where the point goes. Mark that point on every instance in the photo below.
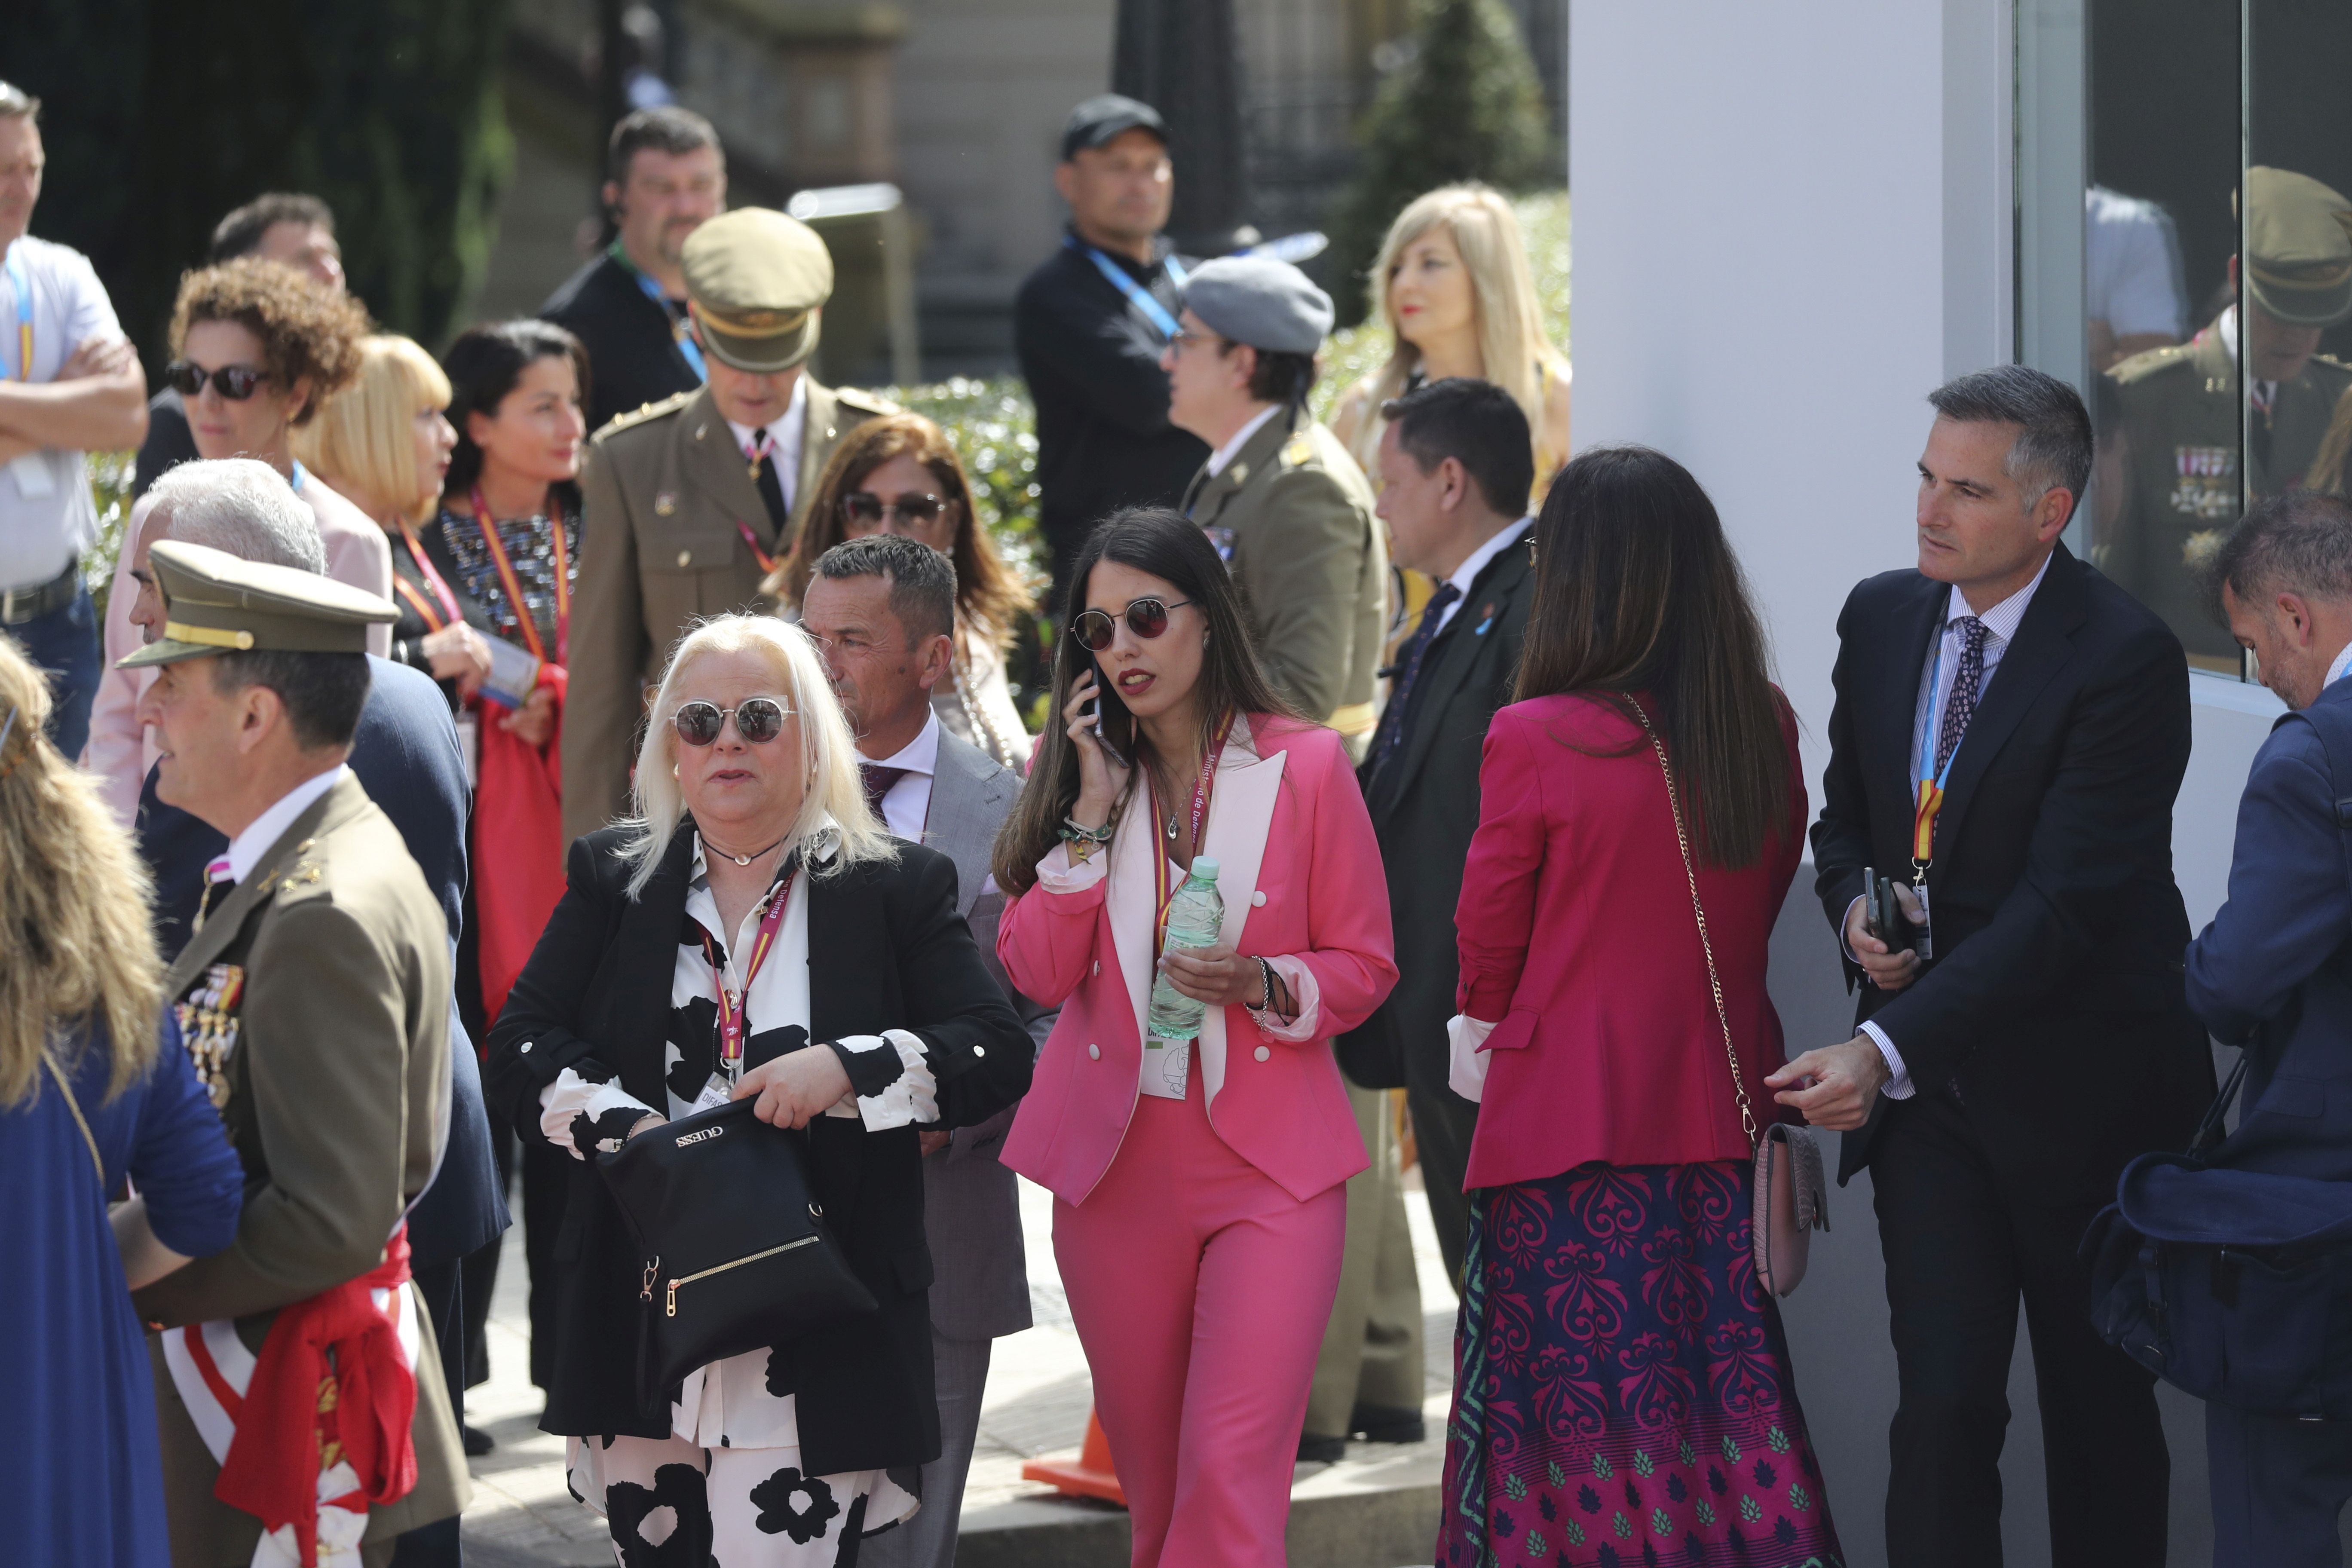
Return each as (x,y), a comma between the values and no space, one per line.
(1690,873)
(87,1137)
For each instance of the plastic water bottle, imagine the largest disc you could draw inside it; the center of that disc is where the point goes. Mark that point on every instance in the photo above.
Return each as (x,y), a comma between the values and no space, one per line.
(1196,918)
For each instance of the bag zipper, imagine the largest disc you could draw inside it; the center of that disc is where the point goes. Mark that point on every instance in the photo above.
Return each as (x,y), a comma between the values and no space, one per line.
(718,1269)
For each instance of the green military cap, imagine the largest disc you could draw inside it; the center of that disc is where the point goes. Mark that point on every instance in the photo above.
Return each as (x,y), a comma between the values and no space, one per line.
(756,281)
(2298,247)
(217,603)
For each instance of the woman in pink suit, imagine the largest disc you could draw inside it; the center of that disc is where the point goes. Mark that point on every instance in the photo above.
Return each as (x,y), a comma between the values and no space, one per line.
(1199,1203)
(1622,1387)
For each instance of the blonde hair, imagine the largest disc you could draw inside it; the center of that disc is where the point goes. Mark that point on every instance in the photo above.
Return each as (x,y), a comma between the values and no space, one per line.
(828,749)
(74,903)
(363,441)
(1512,349)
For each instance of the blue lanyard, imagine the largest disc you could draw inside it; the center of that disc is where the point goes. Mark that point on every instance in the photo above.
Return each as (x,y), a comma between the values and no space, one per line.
(1136,294)
(298,477)
(678,334)
(21,286)
(1935,724)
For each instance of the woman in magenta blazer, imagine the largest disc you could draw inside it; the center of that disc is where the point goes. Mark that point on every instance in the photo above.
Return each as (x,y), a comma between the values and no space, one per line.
(1622,1383)
(1199,1201)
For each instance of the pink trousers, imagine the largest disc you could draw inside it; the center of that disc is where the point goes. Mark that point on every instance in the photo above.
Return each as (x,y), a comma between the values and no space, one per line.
(1201,1290)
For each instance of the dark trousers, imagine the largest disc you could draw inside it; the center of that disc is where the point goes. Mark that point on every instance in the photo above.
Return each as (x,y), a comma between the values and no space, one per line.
(64,643)
(436,1546)
(546,1175)
(1962,1248)
(2279,1486)
(1442,1122)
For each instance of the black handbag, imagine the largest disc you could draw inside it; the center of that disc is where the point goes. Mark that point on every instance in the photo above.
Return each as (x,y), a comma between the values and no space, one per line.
(735,1251)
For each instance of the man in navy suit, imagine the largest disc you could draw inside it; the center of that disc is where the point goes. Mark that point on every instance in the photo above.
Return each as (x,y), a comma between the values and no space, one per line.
(2271,975)
(405,756)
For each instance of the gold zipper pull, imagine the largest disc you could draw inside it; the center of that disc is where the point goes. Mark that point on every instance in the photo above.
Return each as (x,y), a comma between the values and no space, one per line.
(672,1298)
(645,1290)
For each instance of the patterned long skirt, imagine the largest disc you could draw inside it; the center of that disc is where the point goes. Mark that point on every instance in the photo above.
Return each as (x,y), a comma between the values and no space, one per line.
(1621,1389)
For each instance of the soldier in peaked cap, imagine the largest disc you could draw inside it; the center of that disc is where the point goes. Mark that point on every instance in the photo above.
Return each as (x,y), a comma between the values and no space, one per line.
(2172,478)
(1282,500)
(691,501)
(292,1391)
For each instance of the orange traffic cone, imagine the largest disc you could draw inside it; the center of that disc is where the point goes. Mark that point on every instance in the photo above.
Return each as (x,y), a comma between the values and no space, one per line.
(1089,1475)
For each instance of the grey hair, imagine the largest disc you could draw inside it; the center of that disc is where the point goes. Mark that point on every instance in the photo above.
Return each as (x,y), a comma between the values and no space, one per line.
(2053,449)
(241,506)
(835,789)
(2300,542)
(15,103)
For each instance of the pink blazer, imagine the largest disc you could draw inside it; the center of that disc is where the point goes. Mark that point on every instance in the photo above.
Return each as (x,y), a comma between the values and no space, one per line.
(1300,873)
(1578,940)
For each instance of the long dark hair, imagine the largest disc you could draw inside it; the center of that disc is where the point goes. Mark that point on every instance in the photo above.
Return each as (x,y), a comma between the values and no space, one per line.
(483,366)
(1172,548)
(1637,590)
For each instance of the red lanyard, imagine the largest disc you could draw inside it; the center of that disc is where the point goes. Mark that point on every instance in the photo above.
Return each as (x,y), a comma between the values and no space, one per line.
(763,446)
(1164,892)
(767,562)
(448,615)
(496,547)
(735,1006)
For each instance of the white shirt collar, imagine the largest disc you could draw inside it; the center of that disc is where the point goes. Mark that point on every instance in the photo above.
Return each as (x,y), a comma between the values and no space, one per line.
(247,848)
(2000,621)
(1510,533)
(919,755)
(1231,449)
(2226,326)
(785,432)
(2340,669)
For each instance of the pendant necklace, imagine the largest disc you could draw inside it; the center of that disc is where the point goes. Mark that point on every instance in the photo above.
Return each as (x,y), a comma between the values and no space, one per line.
(740,860)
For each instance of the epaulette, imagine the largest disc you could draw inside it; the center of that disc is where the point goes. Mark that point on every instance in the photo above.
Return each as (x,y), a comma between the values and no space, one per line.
(1297,451)
(642,413)
(2150,361)
(864,402)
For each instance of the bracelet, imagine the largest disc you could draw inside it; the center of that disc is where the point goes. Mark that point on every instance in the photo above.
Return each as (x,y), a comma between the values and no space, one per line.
(1261,1014)
(1073,831)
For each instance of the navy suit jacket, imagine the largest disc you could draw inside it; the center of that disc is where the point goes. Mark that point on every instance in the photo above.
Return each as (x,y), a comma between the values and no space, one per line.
(2272,971)
(405,756)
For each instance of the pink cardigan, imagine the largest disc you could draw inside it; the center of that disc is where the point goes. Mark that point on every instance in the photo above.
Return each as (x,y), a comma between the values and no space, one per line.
(1300,873)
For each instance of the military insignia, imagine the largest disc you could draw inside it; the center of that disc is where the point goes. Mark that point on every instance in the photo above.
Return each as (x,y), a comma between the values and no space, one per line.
(1299,452)
(1241,475)
(664,503)
(207,1016)
(2208,487)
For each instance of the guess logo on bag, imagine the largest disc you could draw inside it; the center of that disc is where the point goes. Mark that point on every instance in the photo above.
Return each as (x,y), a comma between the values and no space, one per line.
(704,1136)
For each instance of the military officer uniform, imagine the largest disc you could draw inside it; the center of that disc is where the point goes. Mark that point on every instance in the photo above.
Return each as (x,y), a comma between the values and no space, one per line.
(680,522)
(314,998)
(1292,513)
(2175,415)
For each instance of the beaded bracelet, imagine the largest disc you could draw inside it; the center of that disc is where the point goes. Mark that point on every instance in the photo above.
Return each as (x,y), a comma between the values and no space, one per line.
(1073,831)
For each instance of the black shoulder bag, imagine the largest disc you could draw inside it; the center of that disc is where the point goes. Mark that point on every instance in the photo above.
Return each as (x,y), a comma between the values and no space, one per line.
(735,1250)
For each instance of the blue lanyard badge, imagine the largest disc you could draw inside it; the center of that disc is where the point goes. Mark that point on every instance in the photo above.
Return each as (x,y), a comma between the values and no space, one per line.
(1137,295)
(21,285)
(678,330)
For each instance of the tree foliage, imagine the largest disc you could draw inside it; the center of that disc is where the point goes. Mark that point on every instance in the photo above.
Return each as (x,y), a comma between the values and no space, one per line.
(1466,105)
(162,115)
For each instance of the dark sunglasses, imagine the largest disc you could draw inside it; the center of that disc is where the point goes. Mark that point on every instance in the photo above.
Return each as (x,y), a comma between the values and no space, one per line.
(1147,618)
(866,506)
(758,719)
(235,382)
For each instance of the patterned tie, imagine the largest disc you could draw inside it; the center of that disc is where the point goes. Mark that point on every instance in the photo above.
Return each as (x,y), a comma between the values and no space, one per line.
(878,780)
(1409,657)
(1967,685)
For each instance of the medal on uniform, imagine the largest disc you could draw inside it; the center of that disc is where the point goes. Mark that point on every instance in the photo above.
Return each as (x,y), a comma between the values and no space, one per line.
(208,1023)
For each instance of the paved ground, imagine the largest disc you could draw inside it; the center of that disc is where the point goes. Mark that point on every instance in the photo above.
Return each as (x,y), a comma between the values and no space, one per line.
(1038,1396)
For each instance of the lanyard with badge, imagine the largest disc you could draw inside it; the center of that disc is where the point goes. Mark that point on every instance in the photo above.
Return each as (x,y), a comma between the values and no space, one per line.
(31,469)
(1930,804)
(735,1004)
(678,332)
(512,675)
(762,450)
(1165,889)
(1137,296)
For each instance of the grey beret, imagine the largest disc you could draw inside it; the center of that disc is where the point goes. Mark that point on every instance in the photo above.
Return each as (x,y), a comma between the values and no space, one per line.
(1260,301)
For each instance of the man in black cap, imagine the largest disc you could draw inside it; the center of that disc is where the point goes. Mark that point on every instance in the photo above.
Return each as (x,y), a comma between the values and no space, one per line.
(1090,324)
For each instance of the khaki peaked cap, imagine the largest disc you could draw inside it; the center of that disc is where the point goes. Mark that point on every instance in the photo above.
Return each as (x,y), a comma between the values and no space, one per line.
(217,603)
(2298,247)
(757,281)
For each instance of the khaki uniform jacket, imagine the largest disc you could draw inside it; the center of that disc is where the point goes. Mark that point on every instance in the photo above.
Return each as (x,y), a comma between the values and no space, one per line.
(1294,515)
(337,1100)
(2177,410)
(664,489)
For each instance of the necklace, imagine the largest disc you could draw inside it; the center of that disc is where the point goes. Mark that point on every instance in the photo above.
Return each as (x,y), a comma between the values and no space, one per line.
(740,860)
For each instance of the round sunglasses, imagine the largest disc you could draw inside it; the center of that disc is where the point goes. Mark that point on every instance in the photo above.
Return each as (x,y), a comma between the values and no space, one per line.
(866,506)
(235,382)
(758,719)
(1147,618)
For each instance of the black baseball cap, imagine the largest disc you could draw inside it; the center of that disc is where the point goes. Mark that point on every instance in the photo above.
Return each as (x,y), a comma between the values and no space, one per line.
(1107,115)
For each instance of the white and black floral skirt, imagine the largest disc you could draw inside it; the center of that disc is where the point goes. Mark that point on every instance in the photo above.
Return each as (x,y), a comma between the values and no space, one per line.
(670,1501)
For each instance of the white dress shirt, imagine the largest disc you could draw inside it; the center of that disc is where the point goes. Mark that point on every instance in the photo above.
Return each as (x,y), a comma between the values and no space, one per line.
(906,804)
(1231,449)
(786,433)
(46,517)
(1936,679)
(247,848)
(1467,573)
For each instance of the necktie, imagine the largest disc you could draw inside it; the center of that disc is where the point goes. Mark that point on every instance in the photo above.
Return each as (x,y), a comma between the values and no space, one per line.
(771,494)
(878,780)
(1967,685)
(1409,657)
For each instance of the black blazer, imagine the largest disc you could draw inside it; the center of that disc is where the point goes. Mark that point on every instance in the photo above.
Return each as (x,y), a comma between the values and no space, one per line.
(633,351)
(887,950)
(1424,809)
(2055,1000)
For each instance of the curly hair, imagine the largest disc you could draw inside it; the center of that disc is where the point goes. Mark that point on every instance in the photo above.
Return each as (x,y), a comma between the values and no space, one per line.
(74,905)
(306,333)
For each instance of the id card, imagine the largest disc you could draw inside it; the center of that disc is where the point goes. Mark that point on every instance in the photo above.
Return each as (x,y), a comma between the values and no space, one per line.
(513,674)
(1923,942)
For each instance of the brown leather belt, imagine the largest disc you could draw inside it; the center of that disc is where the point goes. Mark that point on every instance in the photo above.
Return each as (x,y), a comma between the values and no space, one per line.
(18,605)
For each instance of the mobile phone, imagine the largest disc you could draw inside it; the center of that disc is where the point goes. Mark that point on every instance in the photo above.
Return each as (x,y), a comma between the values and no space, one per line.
(1114,725)
(1883,915)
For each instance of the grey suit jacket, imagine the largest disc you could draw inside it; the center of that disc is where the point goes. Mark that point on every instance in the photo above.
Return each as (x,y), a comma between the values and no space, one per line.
(972,1205)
